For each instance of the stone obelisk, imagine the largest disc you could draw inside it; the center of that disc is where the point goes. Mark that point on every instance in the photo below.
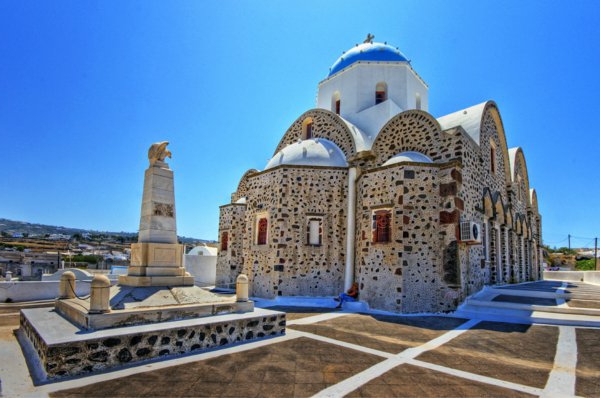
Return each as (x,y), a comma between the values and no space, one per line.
(157,258)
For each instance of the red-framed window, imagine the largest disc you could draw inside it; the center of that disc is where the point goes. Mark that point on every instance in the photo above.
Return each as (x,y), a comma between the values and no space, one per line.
(263,226)
(379,97)
(382,220)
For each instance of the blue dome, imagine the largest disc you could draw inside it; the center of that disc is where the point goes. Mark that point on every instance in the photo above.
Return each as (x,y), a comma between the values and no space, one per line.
(377,52)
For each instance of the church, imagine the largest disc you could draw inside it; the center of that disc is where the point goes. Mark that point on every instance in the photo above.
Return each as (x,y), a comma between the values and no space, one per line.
(368,187)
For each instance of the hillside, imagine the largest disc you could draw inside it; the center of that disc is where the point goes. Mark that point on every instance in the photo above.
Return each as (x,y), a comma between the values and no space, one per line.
(20,227)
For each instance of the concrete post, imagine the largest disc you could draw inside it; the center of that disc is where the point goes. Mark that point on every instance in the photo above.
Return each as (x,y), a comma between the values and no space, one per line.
(241,288)
(100,295)
(66,289)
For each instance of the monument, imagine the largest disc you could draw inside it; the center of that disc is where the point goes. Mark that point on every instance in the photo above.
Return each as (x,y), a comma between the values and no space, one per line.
(157,258)
(154,310)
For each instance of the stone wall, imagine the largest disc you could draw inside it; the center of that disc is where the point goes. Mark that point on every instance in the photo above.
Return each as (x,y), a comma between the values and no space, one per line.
(326,125)
(425,267)
(287,264)
(84,356)
(230,260)
(417,269)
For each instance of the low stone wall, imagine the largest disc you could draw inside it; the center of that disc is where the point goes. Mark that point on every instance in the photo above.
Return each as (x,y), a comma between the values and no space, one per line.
(36,290)
(592,277)
(106,349)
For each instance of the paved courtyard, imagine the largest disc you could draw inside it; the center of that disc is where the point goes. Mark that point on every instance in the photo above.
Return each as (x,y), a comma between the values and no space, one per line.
(327,352)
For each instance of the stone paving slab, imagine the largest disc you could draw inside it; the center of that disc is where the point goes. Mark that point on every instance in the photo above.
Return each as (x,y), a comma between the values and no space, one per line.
(588,363)
(584,304)
(412,381)
(300,367)
(522,354)
(385,333)
(524,300)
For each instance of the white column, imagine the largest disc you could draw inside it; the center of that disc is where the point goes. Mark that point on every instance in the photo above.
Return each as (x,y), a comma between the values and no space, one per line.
(350,229)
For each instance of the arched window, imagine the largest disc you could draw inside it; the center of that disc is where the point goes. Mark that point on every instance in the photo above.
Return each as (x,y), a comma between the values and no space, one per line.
(418,101)
(263,225)
(224,241)
(380,92)
(336,103)
(382,220)
(307,128)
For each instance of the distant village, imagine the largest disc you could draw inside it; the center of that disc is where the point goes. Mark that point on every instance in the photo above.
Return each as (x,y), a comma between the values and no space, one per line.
(30,255)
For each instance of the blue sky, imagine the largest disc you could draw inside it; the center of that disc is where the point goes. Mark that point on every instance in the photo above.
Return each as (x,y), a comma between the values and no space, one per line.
(86,87)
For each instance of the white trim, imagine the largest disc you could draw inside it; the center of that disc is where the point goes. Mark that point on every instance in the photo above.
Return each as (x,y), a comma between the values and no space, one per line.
(475,377)
(317,318)
(352,383)
(350,229)
(561,382)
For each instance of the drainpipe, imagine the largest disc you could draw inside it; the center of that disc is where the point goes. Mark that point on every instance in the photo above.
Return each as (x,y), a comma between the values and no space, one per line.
(350,229)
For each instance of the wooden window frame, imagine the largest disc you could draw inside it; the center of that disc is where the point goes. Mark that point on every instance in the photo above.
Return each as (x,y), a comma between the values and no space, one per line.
(262,231)
(224,240)
(382,226)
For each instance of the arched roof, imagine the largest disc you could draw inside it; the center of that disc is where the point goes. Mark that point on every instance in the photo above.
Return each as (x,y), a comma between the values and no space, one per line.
(203,250)
(242,188)
(372,52)
(534,200)
(471,120)
(516,157)
(349,138)
(312,152)
(413,130)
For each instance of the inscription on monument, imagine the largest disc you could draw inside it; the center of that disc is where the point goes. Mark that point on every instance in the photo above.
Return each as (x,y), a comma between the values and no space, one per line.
(164,255)
(163,209)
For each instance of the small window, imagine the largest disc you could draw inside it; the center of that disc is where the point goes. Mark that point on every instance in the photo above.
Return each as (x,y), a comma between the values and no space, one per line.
(307,128)
(336,103)
(314,232)
(418,101)
(492,158)
(263,225)
(380,93)
(224,241)
(382,226)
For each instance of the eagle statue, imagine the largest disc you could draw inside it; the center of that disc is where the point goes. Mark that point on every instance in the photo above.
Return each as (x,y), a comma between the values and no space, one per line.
(158,152)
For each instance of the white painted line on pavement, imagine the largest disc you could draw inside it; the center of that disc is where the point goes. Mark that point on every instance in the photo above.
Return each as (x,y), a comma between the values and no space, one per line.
(561,382)
(342,344)
(561,302)
(352,383)
(476,377)
(317,318)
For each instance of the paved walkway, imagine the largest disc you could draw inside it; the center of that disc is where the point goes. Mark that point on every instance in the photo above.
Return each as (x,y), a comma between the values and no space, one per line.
(330,353)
